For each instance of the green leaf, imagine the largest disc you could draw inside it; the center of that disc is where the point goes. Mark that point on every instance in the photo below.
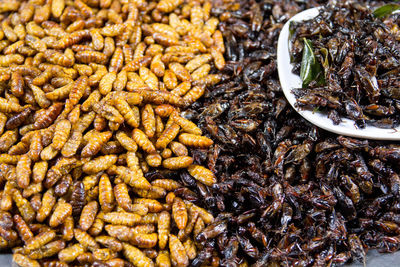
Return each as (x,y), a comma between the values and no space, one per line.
(385,10)
(310,68)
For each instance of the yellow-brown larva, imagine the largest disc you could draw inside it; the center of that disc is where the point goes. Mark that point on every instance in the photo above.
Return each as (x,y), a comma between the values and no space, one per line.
(148,120)
(219,41)
(99,72)
(39,171)
(137,63)
(95,144)
(167,136)
(179,213)
(218,57)
(164,110)
(201,72)
(176,163)
(139,50)
(152,204)
(83,70)
(136,256)
(9,107)
(122,218)
(60,93)
(121,232)
(78,89)
(178,252)
(126,142)
(202,174)
(109,46)
(140,209)
(159,126)
(154,49)
(68,229)
(166,153)
(184,234)
(87,57)
(112,30)
(178,149)
(75,114)
(167,6)
(149,78)
(170,79)
(180,71)
(35,43)
(23,229)
(87,241)
(23,171)
(109,112)
(154,159)
(61,134)
(186,125)
(103,254)
(69,254)
(154,192)
(127,112)
(117,60)
(97,39)
(106,83)
(88,215)
(3,121)
(165,40)
(209,80)
(66,59)
(143,141)
(97,227)
(157,66)
(163,259)
(24,261)
(128,53)
(194,93)
(19,148)
(197,62)
(106,195)
(109,242)
(48,201)
(195,140)
(57,7)
(13,48)
(61,212)
(71,146)
(164,221)
(39,240)
(133,177)
(48,250)
(122,197)
(145,240)
(190,249)
(99,164)
(121,81)
(165,29)
(182,89)
(8,139)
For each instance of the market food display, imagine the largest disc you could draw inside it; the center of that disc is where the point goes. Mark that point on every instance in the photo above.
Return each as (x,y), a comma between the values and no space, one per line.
(348,60)
(155,133)
(91,93)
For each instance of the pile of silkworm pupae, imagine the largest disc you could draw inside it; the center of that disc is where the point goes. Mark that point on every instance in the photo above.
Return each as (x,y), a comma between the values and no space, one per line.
(91,132)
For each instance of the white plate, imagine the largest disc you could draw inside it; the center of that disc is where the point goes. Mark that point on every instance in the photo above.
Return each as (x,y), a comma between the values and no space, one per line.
(291,81)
